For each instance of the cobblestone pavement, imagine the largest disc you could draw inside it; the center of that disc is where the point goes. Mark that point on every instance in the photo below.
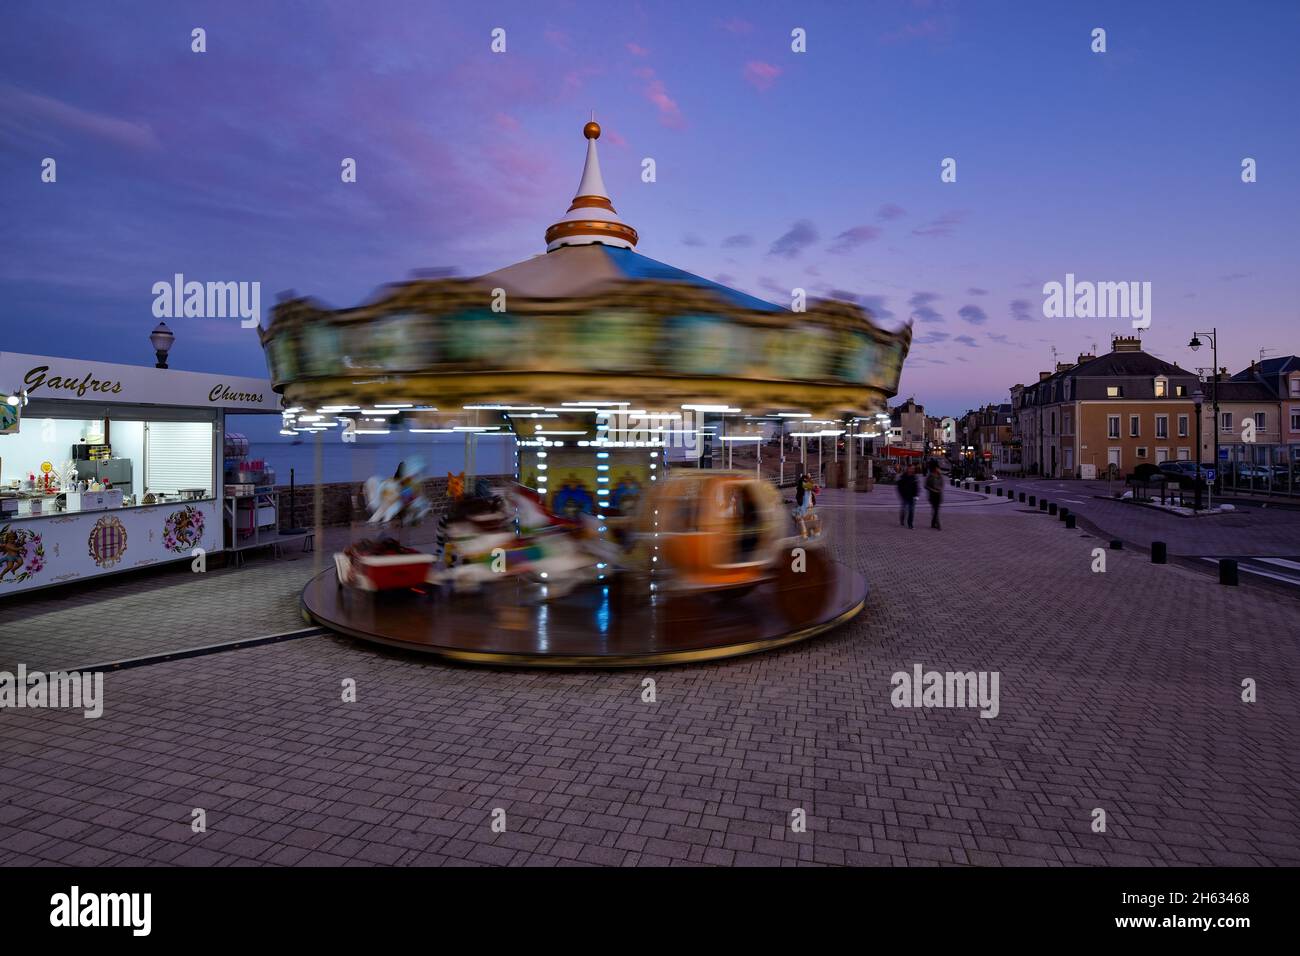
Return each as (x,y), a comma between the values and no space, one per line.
(1118,690)
(144,614)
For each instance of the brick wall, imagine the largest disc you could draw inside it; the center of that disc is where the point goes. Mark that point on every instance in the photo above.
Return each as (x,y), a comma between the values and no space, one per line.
(338,504)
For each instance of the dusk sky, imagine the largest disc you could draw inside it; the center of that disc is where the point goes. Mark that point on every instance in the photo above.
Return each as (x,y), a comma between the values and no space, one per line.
(775,169)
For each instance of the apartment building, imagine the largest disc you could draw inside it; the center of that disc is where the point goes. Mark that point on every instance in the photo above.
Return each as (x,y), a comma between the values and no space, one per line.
(1109,412)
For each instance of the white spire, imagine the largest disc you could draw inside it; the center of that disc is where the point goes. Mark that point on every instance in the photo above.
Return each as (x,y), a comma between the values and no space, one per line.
(591,218)
(592,184)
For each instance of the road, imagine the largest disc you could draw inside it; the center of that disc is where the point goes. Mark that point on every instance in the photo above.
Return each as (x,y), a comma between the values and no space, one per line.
(1264,539)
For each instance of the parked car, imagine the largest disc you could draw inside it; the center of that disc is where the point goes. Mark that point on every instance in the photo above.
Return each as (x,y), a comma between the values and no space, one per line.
(1184,472)
(1253,473)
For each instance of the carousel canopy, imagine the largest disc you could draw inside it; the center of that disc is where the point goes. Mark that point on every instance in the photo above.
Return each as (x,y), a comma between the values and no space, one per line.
(589,270)
(590,316)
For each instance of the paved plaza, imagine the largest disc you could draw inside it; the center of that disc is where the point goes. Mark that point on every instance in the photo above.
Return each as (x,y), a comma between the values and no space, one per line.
(1119,691)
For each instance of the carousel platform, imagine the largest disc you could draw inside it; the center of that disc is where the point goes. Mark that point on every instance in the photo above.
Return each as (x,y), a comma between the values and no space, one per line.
(514,623)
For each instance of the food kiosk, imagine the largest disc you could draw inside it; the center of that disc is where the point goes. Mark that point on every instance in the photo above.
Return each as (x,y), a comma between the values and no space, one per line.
(107,467)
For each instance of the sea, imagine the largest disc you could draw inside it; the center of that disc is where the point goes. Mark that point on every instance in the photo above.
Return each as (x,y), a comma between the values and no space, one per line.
(340,462)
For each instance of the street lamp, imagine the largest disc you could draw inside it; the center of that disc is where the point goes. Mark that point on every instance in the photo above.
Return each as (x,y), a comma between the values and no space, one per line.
(161,339)
(1197,398)
(1195,344)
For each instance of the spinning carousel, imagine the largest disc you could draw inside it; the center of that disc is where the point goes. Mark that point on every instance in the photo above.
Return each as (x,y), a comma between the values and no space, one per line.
(619,381)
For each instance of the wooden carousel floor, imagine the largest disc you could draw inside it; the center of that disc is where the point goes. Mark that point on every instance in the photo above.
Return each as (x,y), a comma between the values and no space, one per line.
(596,625)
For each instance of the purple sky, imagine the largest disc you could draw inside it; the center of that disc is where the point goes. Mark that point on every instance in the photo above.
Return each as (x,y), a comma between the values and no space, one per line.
(775,169)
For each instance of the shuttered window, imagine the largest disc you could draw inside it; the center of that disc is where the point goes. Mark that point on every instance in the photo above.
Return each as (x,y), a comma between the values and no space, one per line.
(178,455)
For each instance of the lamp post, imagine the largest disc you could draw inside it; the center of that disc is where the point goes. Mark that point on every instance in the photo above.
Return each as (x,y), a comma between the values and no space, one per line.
(1195,344)
(1197,398)
(161,339)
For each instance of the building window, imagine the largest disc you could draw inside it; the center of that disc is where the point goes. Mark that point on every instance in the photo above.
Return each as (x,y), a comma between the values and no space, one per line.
(1182,426)
(1259,421)
(1295,388)
(1295,420)
(1112,426)
(1162,388)
(1162,426)
(1225,423)
(1142,452)
(1067,423)
(1180,391)
(1114,391)
(1134,426)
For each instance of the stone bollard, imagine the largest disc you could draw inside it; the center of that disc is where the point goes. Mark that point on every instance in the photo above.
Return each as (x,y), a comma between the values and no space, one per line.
(1116,544)
(1042,504)
(1228,572)
(1051,508)
(1069,522)
(1033,500)
(999,492)
(1159,552)
(1064,513)
(1022,497)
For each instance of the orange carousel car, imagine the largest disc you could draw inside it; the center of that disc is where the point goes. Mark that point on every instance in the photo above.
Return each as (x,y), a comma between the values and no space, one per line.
(712,530)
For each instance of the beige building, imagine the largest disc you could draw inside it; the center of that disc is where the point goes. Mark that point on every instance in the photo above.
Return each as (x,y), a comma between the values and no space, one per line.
(1116,411)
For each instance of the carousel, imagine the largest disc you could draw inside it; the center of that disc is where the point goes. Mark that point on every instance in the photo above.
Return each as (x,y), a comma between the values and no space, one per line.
(620,382)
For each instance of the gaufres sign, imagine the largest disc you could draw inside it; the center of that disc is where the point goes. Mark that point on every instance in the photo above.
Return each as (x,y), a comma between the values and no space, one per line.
(51,377)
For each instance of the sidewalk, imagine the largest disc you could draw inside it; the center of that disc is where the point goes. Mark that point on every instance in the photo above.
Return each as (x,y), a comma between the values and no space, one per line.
(1119,691)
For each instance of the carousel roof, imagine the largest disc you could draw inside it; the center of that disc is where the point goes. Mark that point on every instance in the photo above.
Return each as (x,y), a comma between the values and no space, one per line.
(589,316)
(590,269)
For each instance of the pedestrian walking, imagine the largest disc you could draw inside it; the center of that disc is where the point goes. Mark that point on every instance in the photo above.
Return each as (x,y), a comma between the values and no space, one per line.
(908,489)
(934,485)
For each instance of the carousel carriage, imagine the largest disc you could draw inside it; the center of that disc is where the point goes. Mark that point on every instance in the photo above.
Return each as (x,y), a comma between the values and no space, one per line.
(712,530)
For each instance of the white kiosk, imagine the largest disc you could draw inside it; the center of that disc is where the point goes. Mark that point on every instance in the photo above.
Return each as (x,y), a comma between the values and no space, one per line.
(142,447)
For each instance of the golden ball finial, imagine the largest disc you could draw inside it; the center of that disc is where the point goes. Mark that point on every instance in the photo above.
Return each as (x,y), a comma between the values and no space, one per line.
(591,130)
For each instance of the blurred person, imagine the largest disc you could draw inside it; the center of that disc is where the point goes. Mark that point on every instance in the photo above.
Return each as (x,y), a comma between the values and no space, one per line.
(908,489)
(934,485)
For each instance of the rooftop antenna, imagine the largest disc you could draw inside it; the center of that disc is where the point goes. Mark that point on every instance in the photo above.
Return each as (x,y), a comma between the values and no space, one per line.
(1262,351)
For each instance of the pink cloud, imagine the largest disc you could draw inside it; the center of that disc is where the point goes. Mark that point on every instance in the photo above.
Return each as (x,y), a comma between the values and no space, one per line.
(761,75)
(670,113)
(557,38)
(637,50)
(32,114)
(737,25)
(576,78)
(506,121)
(931,28)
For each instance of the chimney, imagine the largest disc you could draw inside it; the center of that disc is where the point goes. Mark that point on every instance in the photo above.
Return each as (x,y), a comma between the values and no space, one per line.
(1126,343)
(1043,375)
(1062,366)
(1085,357)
